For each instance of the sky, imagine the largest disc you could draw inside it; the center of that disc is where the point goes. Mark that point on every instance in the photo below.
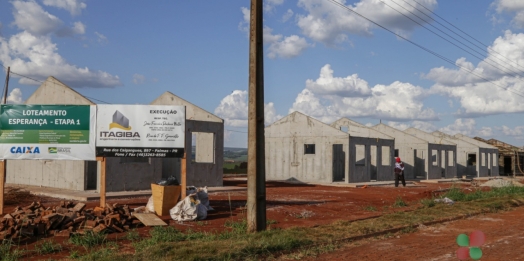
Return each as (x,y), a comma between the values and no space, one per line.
(452,66)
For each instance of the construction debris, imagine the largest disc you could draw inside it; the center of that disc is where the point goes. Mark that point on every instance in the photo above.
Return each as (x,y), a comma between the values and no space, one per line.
(498,183)
(65,219)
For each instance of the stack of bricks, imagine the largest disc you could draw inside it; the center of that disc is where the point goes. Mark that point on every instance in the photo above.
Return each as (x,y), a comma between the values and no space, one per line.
(65,219)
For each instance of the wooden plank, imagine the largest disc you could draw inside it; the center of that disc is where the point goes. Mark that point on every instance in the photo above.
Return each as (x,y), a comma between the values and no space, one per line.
(102,180)
(183,177)
(149,219)
(2,185)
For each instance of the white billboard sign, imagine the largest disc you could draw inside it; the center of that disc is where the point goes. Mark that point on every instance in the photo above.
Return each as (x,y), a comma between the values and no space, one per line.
(155,131)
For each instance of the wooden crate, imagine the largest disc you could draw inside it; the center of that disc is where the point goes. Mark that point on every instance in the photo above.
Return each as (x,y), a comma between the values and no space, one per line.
(165,198)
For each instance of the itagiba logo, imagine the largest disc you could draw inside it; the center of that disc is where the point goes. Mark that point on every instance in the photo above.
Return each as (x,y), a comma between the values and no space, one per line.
(119,122)
(27,150)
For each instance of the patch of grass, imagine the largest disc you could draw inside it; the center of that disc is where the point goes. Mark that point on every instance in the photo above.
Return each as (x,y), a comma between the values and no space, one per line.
(88,240)
(370,208)
(74,254)
(132,235)
(7,254)
(237,227)
(428,202)
(399,202)
(5,247)
(47,247)
(99,255)
(271,222)
(409,229)
(315,251)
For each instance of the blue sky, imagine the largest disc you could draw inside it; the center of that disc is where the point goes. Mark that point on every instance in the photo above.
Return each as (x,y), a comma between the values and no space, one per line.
(320,59)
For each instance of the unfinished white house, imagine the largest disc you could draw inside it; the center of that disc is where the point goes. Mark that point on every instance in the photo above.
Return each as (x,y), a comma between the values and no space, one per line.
(442,154)
(298,146)
(122,174)
(371,152)
(474,158)
(207,132)
(412,151)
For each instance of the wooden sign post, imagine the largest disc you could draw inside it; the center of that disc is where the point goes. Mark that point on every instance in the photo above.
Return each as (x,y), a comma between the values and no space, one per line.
(2,185)
(183,182)
(102,161)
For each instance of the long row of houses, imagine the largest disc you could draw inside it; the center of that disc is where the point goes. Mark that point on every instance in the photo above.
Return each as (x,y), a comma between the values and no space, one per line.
(297,146)
(301,147)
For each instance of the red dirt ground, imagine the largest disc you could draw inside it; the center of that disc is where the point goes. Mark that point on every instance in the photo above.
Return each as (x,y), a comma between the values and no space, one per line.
(288,205)
(504,239)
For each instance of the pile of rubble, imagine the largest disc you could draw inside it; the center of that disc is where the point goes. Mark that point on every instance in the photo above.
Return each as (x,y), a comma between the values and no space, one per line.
(65,219)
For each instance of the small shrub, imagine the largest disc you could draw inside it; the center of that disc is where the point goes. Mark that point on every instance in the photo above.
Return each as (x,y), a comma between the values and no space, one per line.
(399,202)
(370,208)
(428,203)
(271,222)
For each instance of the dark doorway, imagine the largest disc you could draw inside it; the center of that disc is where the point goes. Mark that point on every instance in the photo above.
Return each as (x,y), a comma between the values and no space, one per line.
(339,163)
(507,165)
(91,174)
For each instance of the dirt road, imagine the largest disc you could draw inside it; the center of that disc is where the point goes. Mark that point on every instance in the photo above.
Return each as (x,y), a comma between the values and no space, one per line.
(504,241)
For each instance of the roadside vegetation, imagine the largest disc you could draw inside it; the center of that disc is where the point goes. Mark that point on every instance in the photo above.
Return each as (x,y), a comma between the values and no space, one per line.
(168,243)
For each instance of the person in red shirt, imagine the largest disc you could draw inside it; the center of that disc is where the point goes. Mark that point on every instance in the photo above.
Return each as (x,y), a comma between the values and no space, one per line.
(399,172)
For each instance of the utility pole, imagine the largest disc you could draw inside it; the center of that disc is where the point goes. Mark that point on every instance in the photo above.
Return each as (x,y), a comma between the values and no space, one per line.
(256,173)
(6,84)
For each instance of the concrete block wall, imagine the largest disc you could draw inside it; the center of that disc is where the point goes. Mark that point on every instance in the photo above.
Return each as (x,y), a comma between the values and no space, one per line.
(64,174)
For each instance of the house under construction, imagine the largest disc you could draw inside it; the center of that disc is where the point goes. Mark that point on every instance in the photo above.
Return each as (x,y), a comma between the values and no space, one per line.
(511,158)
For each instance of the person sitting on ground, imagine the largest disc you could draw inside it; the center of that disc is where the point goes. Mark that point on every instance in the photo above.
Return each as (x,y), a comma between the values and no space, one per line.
(399,172)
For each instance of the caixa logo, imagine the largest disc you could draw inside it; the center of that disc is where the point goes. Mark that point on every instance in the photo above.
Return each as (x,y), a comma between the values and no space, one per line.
(18,150)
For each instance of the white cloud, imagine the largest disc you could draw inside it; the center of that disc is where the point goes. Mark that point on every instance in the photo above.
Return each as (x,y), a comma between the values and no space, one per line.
(290,47)
(330,24)
(37,57)
(278,46)
(78,28)
(517,131)
(244,25)
(269,5)
(466,127)
(31,17)
(234,110)
(138,78)
(326,84)
(289,13)
(501,94)
(101,38)
(14,97)
(329,98)
(514,7)
(72,6)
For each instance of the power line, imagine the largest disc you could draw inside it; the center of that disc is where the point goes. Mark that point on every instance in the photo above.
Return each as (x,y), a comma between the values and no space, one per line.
(91,98)
(481,59)
(488,47)
(423,48)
